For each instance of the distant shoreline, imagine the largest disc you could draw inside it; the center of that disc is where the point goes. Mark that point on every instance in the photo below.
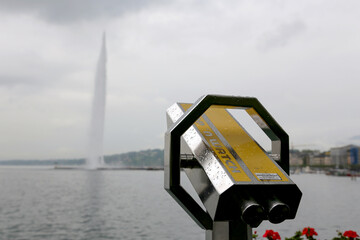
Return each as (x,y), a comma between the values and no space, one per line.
(109,168)
(145,159)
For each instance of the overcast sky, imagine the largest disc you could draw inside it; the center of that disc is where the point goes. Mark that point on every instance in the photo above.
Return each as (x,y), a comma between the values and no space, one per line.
(299,58)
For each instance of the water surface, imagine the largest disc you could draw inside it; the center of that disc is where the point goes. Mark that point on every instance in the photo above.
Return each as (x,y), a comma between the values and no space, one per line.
(40,203)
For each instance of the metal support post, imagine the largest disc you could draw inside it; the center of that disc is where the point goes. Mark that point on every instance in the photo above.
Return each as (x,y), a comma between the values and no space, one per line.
(230,230)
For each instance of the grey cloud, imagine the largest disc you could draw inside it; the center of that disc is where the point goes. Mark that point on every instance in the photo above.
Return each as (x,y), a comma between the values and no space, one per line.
(10,81)
(66,11)
(35,74)
(355,138)
(281,36)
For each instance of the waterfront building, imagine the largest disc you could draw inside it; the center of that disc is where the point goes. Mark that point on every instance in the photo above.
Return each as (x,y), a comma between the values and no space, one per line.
(346,156)
(321,159)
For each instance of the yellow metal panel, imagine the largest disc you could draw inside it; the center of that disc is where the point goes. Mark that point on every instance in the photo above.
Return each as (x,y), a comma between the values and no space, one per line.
(263,168)
(219,149)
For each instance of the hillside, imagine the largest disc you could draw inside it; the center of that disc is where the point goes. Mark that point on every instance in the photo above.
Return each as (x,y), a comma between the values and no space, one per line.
(146,158)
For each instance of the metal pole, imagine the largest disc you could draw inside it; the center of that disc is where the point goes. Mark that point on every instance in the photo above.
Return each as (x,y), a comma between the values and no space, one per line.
(231,230)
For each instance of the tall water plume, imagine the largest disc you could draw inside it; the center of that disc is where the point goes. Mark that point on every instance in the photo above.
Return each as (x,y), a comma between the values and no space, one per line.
(95,157)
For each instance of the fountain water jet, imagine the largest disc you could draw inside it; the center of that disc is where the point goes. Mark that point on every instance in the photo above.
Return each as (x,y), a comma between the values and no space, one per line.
(95,157)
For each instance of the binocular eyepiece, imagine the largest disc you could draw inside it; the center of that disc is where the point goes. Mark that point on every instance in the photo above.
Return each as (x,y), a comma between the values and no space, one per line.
(252,213)
(277,211)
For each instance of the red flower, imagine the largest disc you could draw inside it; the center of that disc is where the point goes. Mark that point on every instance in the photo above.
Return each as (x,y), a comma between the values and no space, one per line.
(271,235)
(350,234)
(276,236)
(268,233)
(309,232)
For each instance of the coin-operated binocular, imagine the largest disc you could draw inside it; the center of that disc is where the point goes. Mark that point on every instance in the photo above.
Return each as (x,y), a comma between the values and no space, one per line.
(239,183)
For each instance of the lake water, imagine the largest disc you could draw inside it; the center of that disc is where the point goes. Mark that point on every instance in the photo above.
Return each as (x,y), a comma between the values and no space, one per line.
(39,203)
